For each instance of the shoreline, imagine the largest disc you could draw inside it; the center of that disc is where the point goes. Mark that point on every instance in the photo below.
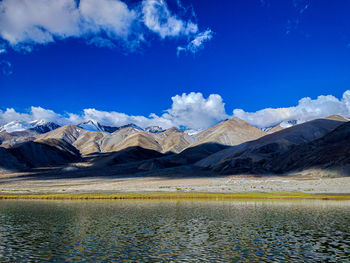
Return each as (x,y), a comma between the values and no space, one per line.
(310,184)
(178,196)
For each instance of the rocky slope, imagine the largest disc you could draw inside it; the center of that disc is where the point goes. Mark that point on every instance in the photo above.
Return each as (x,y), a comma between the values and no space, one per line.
(251,157)
(230,132)
(332,150)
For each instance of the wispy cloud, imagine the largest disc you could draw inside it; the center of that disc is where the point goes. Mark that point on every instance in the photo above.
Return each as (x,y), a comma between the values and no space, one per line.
(104,23)
(158,18)
(6,67)
(300,6)
(197,43)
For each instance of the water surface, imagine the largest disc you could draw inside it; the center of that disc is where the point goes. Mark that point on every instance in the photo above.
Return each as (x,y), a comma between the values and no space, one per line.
(174,231)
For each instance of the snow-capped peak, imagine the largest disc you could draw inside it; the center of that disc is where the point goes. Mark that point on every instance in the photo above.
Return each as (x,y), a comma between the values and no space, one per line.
(90,125)
(38,122)
(283,124)
(287,124)
(40,126)
(15,126)
(192,132)
(154,129)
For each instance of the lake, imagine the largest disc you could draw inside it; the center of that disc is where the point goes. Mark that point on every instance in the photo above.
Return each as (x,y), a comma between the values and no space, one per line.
(174,231)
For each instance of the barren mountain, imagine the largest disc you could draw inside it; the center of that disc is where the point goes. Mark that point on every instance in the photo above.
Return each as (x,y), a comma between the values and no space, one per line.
(127,137)
(330,151)
(230,147)
(85,141)
(230,132)
(173,140)
(336,118)
(10,139)
(68,133)
(38,154)
(250,156)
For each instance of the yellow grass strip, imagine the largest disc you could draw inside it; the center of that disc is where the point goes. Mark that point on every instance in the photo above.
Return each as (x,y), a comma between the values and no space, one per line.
(178,195)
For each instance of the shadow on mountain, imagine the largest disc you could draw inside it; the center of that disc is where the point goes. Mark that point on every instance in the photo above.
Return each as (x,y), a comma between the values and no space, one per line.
(331,151)
(27,155)
(133,161)
(323,144)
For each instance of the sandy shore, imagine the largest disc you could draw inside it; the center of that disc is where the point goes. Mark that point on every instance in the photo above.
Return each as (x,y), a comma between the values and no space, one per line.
(307,182)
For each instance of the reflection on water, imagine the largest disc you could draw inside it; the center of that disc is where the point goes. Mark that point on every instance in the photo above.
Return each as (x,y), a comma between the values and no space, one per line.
(174,231)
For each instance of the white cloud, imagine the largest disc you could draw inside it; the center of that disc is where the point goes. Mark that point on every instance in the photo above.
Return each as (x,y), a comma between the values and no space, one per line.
(197,43)
(39,113)
(195,112)
(190,110)
(11,115)
(307,109)
(38,21)
(111,16)
(158,18)
(26,23)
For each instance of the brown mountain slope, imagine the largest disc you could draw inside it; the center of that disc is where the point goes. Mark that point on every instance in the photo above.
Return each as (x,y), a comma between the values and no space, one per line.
(128,137)
(173,140)
(336,118)
(230,132)
(68,133)
(330,151)
(89,142)
(85,141)
(10,139)
(276,128)
(249,157)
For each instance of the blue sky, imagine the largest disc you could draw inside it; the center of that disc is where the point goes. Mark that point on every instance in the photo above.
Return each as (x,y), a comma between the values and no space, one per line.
(259,54)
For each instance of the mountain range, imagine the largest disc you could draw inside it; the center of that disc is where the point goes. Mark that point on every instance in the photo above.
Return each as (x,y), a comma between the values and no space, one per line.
(232,146)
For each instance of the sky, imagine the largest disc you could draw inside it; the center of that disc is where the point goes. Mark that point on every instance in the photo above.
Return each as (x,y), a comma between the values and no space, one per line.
(170,63)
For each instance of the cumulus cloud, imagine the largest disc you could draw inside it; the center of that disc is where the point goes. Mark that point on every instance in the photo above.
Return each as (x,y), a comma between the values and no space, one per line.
(192,111)
(197,43)
(307,109)
(196,112)
(26,23)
